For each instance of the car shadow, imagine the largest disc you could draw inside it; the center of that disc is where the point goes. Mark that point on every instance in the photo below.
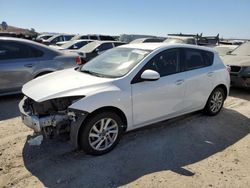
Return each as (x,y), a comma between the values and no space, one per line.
(240,93)
(169,145)
(9,106)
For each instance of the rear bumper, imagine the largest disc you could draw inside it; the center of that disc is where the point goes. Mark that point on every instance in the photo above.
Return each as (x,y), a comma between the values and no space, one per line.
(239,81)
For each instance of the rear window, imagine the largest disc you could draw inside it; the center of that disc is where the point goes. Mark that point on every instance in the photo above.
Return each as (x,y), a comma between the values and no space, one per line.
(15,50)
(93,37)
(106,37)
(68,37)
(195,59)
(105,46)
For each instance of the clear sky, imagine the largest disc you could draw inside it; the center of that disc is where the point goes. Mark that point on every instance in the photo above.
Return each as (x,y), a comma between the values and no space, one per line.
(230,18)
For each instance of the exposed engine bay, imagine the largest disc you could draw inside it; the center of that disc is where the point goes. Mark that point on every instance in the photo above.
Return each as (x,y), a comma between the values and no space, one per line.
(50,117)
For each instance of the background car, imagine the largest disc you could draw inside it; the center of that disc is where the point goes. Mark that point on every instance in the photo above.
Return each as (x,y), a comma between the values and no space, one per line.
(95,48)
(43,37)
(181,40)
(22,60)
(57,38)
(73,45)
(127,38)
(223,49)
(94,37)
(239,62)
(145,40)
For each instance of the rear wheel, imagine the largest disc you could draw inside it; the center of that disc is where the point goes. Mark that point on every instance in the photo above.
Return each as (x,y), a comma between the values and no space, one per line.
(215,102)
(101,133)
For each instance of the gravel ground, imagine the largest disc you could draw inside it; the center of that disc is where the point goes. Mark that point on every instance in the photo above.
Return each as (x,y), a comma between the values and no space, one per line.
(190,151)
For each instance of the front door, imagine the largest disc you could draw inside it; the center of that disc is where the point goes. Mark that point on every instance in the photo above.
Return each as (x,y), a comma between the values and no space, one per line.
(158,100)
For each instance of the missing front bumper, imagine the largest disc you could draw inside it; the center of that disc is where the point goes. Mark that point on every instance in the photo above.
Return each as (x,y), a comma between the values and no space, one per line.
(38,123)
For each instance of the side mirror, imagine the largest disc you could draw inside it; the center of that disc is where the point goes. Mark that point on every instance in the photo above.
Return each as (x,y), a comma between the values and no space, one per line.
(150,75)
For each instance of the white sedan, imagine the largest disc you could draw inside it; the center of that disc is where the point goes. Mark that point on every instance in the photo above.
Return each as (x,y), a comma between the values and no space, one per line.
(125,88)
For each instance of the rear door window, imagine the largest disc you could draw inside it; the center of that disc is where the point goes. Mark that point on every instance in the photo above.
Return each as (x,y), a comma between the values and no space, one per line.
(195,58)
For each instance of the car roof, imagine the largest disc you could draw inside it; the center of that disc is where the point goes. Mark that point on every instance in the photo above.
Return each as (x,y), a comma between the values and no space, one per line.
(154,46)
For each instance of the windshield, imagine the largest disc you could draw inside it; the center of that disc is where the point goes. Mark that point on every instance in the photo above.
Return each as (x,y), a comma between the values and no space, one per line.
(89,47)
(68,44)
(242,50)
(115,62)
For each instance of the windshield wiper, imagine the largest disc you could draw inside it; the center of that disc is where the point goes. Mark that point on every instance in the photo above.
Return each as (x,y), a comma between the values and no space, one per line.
(92,73)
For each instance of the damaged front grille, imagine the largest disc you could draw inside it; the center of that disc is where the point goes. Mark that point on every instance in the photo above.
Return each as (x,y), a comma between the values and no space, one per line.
(53,106)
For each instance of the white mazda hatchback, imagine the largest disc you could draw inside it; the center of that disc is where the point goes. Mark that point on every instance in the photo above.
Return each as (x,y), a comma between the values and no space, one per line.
(125,88)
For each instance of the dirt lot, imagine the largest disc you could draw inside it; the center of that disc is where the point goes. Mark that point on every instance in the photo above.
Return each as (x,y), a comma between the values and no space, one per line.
(191,151)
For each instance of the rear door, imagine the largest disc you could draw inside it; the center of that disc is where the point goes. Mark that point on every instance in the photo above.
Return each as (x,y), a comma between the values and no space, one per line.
(16,65)
(199,77)
(157,100)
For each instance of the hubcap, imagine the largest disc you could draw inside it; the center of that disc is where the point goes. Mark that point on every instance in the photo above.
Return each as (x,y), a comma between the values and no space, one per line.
(103,134)
(216,101)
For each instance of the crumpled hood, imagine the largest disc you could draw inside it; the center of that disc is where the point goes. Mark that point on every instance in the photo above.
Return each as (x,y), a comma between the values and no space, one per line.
(64,83)
(236,60)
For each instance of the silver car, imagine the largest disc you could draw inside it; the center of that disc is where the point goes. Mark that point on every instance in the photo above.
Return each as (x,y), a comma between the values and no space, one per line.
(22,60)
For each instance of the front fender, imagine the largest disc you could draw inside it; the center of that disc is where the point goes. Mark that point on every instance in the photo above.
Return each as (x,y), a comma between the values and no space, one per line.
(115,98)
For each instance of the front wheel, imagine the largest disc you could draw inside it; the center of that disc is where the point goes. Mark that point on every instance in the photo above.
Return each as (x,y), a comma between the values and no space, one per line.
(101,133)
(215,102)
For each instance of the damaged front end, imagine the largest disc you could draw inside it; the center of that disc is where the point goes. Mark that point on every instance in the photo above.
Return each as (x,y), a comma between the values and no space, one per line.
(49,118)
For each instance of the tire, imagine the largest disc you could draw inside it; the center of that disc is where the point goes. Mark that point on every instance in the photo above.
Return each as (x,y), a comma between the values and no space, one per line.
(215,102)
(95,139)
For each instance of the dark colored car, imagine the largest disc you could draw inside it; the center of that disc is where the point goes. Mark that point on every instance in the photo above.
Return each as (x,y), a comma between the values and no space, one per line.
(239,62)
(95,48)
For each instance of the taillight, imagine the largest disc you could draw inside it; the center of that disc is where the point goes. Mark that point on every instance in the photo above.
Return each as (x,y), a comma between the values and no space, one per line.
(78,60)
(228,68)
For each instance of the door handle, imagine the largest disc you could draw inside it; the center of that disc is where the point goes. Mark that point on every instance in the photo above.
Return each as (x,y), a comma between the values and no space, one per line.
(210,74)
(28,65)
(179,82)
